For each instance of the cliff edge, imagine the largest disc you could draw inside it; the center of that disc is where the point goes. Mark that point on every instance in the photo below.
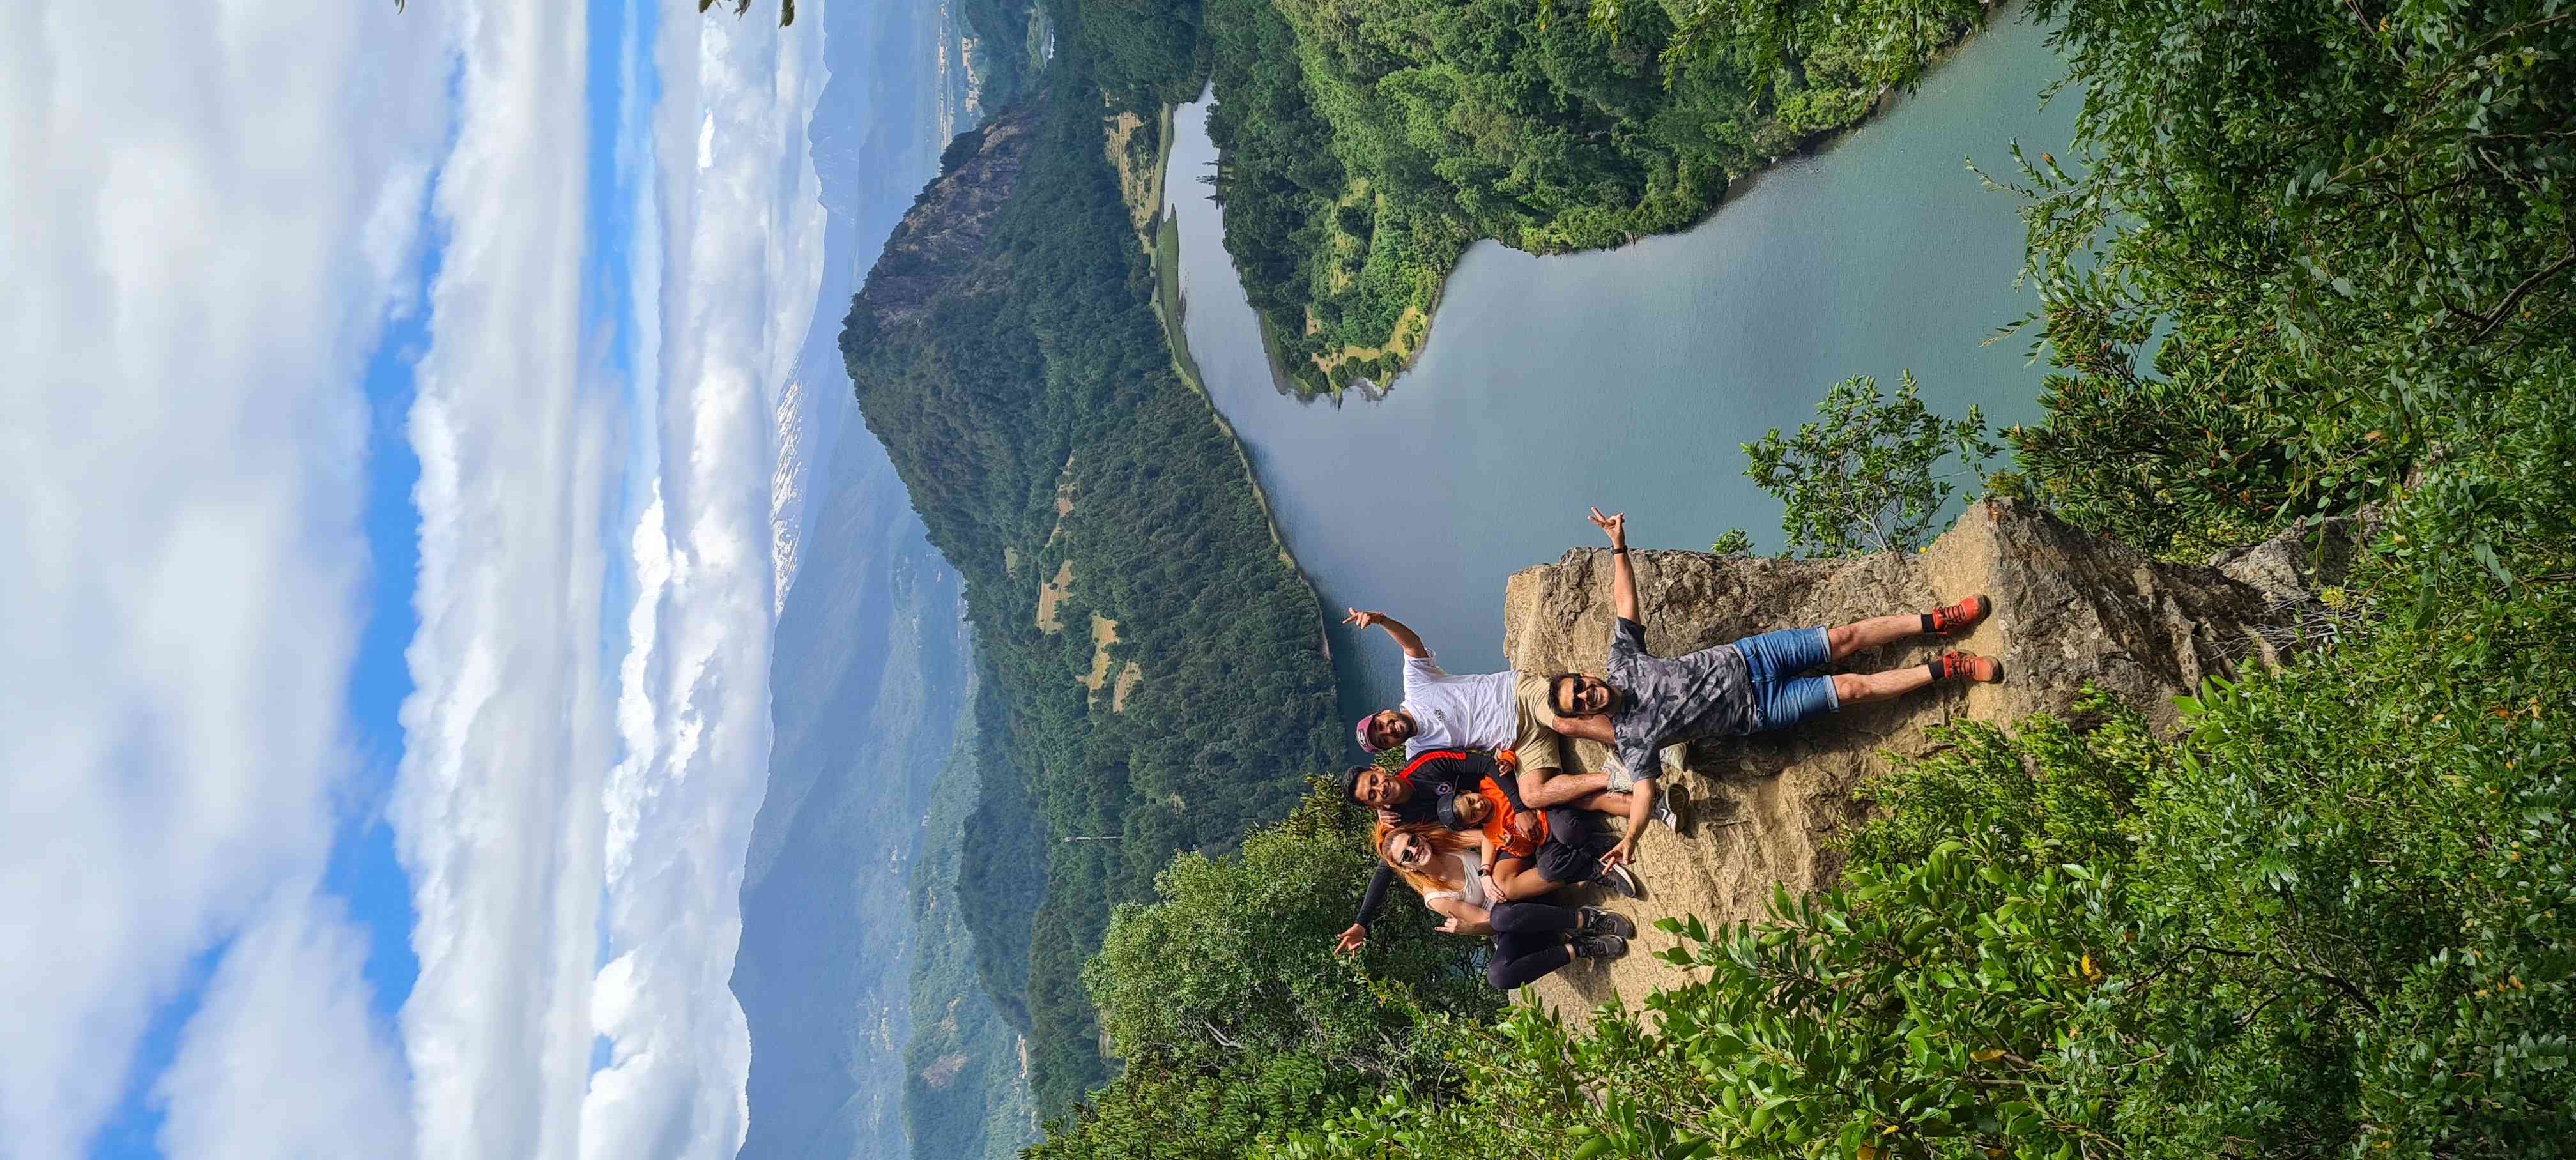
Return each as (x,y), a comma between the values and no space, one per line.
(2068,609)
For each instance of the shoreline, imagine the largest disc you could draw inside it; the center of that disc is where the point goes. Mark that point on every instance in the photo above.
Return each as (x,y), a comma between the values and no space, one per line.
(1176,341)
(1737,186)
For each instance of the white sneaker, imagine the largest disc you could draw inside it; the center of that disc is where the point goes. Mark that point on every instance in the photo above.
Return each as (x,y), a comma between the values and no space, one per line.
(1669,806)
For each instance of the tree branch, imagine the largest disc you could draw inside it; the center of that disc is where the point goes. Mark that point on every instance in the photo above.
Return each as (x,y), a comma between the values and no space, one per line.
(2505,311)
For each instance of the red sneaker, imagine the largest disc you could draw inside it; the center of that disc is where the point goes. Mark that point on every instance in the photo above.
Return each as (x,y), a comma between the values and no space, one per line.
(1967,665)
(1953,619)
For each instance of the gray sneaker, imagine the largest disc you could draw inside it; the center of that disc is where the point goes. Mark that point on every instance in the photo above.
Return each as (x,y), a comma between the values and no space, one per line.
(1600,946)
(1598,921)
(1621,880)
(1669,804)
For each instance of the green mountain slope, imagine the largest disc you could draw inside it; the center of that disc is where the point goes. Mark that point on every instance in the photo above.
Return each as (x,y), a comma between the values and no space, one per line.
(1151,662)
(965,1094)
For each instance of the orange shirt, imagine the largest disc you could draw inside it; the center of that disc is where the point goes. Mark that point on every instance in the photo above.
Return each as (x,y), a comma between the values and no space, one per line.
(1507,839)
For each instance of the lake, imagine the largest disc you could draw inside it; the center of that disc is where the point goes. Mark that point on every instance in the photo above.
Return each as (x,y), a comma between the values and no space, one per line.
(1627,378)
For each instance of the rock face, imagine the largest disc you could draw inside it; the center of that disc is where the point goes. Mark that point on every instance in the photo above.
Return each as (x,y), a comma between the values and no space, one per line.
(2068,609)
(943,234)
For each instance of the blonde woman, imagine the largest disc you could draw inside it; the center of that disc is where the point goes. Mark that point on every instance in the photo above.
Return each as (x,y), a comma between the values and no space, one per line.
(1531,939)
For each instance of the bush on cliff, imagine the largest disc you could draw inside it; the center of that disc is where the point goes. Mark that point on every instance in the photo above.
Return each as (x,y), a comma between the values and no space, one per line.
(1863,477)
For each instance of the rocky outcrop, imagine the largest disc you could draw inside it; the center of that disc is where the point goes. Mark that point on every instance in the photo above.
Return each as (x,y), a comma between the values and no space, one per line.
(2290,567)
(944,232)
(2069,609)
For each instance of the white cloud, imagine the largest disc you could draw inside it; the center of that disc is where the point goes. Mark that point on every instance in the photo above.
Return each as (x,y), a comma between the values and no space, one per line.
(286,1057)
(742,218)
(509,813)
(496,804)
(208,218)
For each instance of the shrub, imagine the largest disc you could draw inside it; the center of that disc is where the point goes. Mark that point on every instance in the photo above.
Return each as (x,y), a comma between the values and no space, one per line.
(1862,478)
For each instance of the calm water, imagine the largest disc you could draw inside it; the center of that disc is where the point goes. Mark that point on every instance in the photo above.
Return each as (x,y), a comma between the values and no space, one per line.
(1627,378)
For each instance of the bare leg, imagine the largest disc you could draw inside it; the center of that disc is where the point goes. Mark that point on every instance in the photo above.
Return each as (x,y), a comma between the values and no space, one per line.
(1517,879)
(1608,801)
(1847,639)
(1853,688)
(1542,788)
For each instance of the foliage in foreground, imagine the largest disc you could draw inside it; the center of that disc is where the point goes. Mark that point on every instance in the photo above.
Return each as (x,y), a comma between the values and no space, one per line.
(2337,918)
(2307,248)
(1232,1016)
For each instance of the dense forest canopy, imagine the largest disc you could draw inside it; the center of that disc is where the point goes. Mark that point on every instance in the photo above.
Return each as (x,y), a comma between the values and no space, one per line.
(962,1097)
(1368,142)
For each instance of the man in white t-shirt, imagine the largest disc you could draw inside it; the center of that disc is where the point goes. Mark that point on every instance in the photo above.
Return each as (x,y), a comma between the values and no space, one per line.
(1505,710)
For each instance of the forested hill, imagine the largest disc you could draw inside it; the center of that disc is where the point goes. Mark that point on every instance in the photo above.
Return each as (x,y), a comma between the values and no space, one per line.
(1370,141)
(1151,661)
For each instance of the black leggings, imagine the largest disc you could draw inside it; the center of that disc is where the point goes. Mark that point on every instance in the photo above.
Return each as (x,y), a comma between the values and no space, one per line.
(1529,942)
(1574,847)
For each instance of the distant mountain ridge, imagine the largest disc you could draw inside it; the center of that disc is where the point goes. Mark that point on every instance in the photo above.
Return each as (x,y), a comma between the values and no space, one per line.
(870,674)
(867,683)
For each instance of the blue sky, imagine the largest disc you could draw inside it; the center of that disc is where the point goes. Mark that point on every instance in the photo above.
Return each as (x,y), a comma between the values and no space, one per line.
(363,870)
(384,616)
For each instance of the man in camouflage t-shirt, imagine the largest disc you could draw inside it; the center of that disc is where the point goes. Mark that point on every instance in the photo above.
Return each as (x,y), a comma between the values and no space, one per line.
(1648,702)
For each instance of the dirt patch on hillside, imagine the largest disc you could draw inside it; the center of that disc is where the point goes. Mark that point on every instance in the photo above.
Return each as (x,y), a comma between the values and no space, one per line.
(1411,328)
(1138,153)
(1104,633)
(1051,594)
(943,1069)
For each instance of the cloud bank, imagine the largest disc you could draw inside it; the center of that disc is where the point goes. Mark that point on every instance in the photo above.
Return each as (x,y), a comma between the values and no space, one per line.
(578,859)
(507,741)
(210,215)
(742,216)
(213,216)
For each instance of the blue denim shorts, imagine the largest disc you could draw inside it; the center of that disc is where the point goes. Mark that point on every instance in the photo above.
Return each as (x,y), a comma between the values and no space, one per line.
(1782,698)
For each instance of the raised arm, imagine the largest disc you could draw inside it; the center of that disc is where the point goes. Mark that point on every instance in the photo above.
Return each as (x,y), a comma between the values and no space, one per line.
(1404,637)
(1623,579)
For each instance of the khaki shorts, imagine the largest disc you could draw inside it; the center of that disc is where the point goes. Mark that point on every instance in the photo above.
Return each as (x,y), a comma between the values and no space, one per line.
(1668,760)
(1539,747)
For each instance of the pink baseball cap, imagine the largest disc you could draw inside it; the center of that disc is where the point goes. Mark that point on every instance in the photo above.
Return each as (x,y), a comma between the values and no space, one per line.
(1363,730)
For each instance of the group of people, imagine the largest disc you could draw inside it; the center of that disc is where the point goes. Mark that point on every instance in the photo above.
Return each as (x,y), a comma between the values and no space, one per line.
(1487,817)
